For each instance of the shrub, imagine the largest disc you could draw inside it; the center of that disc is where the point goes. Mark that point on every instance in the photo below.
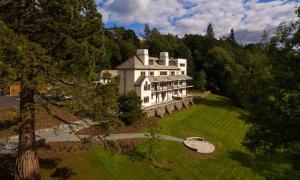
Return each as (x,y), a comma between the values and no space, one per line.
(130,109)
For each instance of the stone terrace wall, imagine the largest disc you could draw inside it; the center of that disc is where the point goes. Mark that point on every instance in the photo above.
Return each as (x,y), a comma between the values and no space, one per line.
(161,110)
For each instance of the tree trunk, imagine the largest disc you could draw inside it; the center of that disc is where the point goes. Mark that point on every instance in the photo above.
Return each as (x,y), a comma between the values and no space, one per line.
(27,163)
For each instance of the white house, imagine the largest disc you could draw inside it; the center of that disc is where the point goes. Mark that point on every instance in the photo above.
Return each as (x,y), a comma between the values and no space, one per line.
(155,80)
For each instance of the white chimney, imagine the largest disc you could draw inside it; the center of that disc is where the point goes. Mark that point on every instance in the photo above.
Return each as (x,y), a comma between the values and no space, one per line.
(164,56)
(143,55)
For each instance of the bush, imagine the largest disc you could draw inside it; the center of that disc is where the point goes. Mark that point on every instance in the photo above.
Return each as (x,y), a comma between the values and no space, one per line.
(130,108)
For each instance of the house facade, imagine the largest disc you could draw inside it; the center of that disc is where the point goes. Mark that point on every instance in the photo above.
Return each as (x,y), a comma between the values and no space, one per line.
(155,80)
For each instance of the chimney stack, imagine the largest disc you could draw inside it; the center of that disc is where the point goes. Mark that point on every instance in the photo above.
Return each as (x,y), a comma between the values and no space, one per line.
(143,55)
(164,56)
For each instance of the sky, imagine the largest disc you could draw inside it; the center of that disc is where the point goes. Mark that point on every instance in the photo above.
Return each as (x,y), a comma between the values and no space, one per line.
(249,18)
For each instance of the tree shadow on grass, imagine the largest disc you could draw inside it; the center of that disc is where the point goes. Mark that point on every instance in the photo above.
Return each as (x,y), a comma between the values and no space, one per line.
(63,173)
(258,163)
(7,164)
(7,167)
(49,163)
(60,173)
(221,102)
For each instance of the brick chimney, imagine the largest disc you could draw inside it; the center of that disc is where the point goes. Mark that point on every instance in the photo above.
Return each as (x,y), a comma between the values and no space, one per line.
(143,55)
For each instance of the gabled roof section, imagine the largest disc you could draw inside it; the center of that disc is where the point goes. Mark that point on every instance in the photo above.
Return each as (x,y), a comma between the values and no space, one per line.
(140,80)
(135,63)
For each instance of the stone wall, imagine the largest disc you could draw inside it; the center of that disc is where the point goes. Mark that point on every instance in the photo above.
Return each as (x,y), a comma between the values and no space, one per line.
(160,111)
(170,108)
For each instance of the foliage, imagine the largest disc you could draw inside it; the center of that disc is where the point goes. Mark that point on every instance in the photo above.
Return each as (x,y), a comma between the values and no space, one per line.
(231,38)
(157,43)
(200,81)
(58,45)
(210,31)
(130,108)
(274,104)
(121,44)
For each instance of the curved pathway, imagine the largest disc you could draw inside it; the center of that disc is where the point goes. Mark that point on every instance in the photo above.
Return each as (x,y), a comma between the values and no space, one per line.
(65,133)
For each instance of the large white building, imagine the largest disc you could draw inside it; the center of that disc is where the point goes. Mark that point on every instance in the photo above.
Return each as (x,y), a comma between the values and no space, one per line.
(155,80)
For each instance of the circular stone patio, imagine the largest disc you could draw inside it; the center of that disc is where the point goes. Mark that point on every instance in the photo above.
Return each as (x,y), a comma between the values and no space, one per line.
(198,144)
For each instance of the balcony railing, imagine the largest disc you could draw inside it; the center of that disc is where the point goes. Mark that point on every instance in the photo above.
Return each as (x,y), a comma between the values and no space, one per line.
(170,87)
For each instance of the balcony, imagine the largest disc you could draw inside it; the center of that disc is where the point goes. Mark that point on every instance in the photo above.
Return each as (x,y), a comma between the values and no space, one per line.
(170,88)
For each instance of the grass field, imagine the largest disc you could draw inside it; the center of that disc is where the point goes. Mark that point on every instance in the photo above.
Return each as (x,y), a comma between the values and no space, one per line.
(214,119)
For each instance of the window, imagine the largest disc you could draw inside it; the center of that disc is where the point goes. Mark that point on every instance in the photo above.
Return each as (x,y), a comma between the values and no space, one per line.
(180,82)
(152,95)
(163,73)
(147,87)
(182,65)
(182,72)
(143,73)
(150,62)
(152,73)
(180,91)
(173,73)
(146,99)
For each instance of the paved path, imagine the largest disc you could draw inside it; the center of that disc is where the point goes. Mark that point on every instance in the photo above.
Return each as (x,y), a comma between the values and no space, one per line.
(8,101)
(65,133)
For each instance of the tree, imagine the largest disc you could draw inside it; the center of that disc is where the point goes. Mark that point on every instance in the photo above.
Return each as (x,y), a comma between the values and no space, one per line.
(265,39)
(58,44)
(210,31)
(274,104)
(200,81)
(231,38)
(219,69)
(147,32)
(25,61)
(130,108)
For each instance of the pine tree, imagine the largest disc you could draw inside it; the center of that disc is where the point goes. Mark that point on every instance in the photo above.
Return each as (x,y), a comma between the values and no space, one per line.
(210,31)
(147,32)
(58,44)
(231,37)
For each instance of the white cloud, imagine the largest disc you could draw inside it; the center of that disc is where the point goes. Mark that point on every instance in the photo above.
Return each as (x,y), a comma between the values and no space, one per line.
(173,15)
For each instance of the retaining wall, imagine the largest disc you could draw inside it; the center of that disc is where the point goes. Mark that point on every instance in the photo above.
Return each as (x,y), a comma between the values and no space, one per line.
(161,110)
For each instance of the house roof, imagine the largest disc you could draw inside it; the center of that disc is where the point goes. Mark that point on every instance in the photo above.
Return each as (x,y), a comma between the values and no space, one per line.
(135,63)
(169,78)
(140,80)
(152,79)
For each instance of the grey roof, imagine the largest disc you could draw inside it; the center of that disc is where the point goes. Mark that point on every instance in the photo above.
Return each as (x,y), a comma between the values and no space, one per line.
(152,79)
(135,63)
(140,80)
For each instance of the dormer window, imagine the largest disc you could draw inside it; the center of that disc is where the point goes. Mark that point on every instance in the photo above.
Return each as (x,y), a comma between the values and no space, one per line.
(150,62)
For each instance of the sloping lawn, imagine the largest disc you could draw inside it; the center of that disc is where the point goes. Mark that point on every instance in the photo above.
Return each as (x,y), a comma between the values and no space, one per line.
(214,119)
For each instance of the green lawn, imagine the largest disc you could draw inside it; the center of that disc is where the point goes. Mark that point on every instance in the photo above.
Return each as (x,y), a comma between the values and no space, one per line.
(215,120)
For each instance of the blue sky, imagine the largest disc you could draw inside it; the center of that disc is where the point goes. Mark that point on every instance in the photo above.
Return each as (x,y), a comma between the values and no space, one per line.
(248,17)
